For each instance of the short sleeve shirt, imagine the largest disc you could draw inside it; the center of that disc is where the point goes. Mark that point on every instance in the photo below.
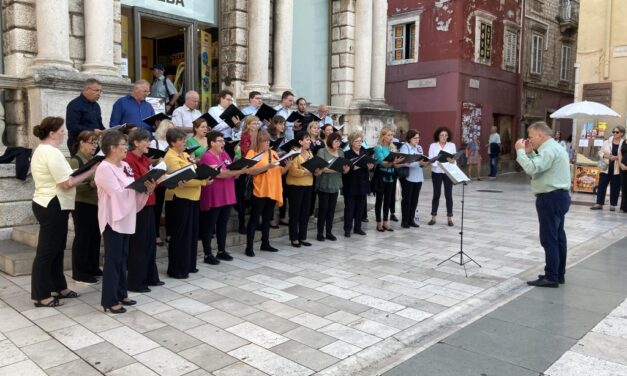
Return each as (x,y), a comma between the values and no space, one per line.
(49,168)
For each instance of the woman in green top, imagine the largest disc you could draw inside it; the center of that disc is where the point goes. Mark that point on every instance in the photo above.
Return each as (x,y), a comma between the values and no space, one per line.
(199,138)
(86,244)
(328,186)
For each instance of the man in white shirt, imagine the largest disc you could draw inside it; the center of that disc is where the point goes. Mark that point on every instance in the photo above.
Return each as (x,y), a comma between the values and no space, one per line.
(226,99)
(283,109)
(323,114)
(187,113)
(162,87)
(494,147)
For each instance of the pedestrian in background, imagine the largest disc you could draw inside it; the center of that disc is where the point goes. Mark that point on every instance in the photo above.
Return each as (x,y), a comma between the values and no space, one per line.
(610,169)
(494,149)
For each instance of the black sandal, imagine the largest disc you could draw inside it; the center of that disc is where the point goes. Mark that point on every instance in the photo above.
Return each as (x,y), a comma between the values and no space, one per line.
(53,303)
(70,295)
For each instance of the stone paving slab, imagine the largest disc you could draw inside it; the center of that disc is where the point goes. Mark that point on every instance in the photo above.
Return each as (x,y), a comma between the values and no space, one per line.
(347,307)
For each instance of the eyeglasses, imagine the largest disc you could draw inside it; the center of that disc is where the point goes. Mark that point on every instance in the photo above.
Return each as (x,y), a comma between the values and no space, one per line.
(616,132)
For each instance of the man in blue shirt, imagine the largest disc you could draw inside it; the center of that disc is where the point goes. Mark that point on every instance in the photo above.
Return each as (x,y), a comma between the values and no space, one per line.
(133,108)
(83,113)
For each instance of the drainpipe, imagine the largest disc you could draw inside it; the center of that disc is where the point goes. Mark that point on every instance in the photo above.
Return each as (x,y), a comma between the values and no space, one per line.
(608,37)
(520,83)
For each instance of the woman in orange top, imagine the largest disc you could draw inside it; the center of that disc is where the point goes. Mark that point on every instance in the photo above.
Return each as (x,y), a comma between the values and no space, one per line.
(267,191)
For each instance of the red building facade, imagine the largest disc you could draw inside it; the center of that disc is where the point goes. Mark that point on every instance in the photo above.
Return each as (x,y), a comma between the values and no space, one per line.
(456,63)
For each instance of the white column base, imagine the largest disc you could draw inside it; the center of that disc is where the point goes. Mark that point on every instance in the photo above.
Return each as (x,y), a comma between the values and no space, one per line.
(101,69)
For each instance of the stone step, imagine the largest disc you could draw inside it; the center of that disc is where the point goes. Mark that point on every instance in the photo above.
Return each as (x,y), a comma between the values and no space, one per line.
(17,259)
(16,190)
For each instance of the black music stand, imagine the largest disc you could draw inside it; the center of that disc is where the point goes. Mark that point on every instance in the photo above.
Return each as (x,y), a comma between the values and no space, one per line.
(458,177)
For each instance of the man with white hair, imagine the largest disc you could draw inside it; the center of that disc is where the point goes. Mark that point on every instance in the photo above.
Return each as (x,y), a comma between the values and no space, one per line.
(183,116)
(323,114)
(546,161)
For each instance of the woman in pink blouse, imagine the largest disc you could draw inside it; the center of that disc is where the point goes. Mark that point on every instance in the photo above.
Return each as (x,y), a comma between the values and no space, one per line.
(117,210)
(216,199)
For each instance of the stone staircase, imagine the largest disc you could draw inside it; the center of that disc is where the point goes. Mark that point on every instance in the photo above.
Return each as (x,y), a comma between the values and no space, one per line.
(18,251)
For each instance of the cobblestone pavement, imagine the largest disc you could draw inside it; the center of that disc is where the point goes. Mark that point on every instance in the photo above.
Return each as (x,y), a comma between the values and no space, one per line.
(353,306)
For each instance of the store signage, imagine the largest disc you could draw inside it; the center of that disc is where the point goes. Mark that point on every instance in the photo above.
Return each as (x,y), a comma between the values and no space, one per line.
(473,83)
(620,51)
(200,10)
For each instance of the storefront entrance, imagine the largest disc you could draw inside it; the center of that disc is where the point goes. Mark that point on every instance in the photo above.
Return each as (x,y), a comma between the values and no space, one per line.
(188,50)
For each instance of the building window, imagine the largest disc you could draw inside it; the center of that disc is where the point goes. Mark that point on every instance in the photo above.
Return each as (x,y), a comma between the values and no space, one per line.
(404,41)
(565,65)
(537,43)
(483,37)
(403,38)
(509,51)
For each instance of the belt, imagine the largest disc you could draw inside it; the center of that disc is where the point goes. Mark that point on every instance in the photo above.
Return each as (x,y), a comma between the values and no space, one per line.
(548,193)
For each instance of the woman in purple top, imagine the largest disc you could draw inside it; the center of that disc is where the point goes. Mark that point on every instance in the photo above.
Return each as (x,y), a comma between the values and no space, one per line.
(216,199)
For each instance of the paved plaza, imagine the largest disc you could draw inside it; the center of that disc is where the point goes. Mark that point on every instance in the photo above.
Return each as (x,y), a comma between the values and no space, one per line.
(357,306)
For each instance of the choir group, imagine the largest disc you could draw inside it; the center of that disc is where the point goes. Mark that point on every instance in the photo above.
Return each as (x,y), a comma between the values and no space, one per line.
(264,158)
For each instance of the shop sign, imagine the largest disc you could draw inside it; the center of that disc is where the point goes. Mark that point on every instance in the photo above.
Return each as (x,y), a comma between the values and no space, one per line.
(200,10)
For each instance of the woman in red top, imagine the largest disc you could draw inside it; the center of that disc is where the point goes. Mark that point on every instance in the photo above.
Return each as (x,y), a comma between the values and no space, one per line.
(142,250)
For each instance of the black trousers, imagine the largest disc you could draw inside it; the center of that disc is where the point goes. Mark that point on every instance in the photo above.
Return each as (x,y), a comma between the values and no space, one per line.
(623,200)
(264,207)
(86,244)
(114,284)
(183,246)
(614,183)
(409,201)
(214,220)
(283,208)
(393,201)
(300,200)
(353,212)
(241,205)
(47,275)
(438,179)
(383,200)
(326,211)
(158,208)
(142,252)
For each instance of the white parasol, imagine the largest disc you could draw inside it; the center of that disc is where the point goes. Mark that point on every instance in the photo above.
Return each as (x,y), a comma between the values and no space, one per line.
(585,110)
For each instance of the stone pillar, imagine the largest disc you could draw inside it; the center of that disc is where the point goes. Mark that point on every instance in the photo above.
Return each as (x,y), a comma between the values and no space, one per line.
(53,35)
(379,28)
(363,49)
(283,25)
(258,45)
(98,15)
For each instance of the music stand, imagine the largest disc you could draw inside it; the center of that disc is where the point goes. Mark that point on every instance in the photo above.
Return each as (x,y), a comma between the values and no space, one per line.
(457,176)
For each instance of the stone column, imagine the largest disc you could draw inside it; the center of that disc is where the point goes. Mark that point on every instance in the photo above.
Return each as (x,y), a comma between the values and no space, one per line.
(258,45)
(363,49)
(282,61)
(379,28)
(99,37)
(53,35)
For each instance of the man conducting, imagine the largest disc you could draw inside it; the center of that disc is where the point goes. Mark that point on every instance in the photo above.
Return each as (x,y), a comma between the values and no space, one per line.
(546,161)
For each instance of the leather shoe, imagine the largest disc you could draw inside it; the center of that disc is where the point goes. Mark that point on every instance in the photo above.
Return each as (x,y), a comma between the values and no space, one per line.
(211,260)
(561,280)
(320,237)
(347,234)
(306,244)
(158,283)
(128,302)
(393,218)
(268,248)
(295,245)
(141,290)
(224,256)
(431,222)
(331,237)
(404,225)
(359,232)
(541,282)
(413,224)
(250,252)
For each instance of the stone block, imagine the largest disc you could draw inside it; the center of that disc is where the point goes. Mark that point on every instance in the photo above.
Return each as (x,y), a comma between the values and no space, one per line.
(347,32)
(15,112)
(335,61)
(241,5)
(75,6)
(237,19)
(342,74)
(346,60)
(345,87)
(20,40)
(117,32)
(16,214)
(14,189)
(340,46)
(117,11)
(16,64)
(335,33)
(77,48)
(19,15)
(336,6)
(77,24)
(239,37)
(335,88)
(345,18)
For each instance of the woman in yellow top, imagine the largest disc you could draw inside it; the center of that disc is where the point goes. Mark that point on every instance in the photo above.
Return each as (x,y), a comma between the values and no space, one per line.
(182,213)
(299,191)
(267,191)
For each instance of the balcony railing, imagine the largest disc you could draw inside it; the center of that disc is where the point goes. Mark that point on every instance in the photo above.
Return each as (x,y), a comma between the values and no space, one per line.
(569,12)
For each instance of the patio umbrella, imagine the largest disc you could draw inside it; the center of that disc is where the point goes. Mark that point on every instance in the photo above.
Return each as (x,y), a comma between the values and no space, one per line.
(585,110)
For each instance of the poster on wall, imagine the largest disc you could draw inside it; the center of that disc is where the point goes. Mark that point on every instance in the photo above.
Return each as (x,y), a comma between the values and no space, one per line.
(471,121)
(586,179)
(205,71)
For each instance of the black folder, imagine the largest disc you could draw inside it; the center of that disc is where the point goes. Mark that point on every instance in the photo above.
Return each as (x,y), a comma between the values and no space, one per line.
(295,116)
(138,184)
(274,145)
(124,128)
(90,163)
(286,147)
(229,113)
(242,163)
(338,163)
(155,153)
(363,160)
(393,155)
(182,174)
(315,163)
(211,121)
(152,120)
(191,149)
(369,151)
(229,146)
(443,156)
(204,171)
(265,112)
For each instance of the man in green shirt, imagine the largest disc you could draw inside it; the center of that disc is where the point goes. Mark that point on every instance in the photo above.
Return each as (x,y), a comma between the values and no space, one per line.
(542,158)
